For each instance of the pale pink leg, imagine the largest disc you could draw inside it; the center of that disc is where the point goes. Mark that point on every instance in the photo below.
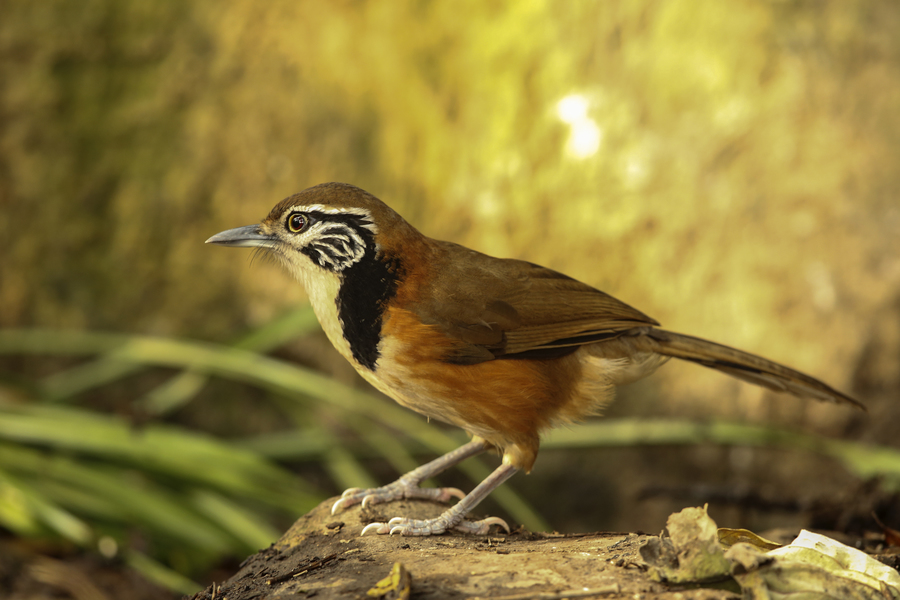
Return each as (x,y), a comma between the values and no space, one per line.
(408,485)
(453,517)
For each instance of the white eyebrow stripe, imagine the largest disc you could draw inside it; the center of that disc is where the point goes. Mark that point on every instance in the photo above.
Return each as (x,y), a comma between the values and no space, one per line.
(332,210)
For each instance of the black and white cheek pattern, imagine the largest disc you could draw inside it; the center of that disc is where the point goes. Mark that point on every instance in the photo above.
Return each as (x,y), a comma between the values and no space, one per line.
(335,245)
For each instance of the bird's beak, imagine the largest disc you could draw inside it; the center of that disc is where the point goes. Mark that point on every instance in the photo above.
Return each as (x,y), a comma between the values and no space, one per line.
(249,236)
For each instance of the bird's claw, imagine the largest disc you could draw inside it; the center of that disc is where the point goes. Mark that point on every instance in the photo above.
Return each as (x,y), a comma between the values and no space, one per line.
(394,491)
(379,528)
(422,527)
(482,527)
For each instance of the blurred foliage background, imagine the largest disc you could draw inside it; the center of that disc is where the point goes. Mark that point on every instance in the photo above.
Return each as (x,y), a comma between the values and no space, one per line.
(728,168)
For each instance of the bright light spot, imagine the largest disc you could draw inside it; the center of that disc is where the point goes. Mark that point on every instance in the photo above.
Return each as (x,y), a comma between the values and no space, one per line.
(572,109)
(585,138)
(108,546)
(635,172)
(586,135)
(488,205)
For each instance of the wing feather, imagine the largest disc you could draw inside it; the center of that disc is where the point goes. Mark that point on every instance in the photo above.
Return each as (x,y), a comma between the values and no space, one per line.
(514,309)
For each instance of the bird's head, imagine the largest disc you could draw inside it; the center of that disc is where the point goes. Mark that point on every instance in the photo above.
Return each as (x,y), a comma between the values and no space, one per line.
(326,228)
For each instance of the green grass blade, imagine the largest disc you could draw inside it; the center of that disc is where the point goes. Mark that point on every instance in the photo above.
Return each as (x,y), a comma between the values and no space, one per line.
(160,574)
(143,502)
(230,363)
(295,444)
(280,331)
(186,455)
(53,342)
(252,531)
(264,372)
(62,386)
(173,394)
(179,390)
(863,459)
(32,509)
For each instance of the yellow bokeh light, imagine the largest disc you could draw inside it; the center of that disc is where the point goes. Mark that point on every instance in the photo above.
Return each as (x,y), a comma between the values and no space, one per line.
(585,135)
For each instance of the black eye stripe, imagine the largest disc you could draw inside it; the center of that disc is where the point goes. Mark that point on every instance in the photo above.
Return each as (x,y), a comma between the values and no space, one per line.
(297,222)
(347,219)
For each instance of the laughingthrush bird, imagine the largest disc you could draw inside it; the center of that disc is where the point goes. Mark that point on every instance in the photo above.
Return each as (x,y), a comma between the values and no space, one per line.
(504,349)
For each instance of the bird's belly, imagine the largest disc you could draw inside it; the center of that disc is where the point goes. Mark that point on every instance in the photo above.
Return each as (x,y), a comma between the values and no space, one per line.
(416,393)
(503,401)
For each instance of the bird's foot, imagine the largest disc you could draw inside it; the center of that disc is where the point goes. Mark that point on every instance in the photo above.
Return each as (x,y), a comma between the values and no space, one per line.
(436,526)
(402,488)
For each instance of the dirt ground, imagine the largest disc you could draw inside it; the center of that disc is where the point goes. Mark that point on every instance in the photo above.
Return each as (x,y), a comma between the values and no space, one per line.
(323,556)
(32,570)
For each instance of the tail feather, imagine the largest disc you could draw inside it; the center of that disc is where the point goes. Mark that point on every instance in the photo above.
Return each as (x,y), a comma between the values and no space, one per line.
(743,365)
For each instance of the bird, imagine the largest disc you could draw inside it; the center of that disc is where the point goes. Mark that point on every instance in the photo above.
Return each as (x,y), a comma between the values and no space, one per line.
(503,348)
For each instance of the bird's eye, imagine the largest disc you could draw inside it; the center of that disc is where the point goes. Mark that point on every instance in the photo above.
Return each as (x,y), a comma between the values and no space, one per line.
(297,222)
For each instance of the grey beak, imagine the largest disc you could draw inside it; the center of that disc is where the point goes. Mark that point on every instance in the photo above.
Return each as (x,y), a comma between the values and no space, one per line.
(243,237)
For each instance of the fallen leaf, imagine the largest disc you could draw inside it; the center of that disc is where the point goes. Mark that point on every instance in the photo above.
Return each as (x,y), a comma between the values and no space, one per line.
(396,586)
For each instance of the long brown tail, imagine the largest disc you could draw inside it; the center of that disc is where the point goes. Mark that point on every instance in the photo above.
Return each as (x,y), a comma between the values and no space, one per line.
(743,365)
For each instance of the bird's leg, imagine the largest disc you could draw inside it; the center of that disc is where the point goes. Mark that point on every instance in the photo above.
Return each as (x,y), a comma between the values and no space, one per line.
(453,517)
(408,485)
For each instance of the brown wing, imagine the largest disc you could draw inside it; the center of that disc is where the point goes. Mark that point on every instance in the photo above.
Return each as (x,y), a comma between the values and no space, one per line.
(502,308)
